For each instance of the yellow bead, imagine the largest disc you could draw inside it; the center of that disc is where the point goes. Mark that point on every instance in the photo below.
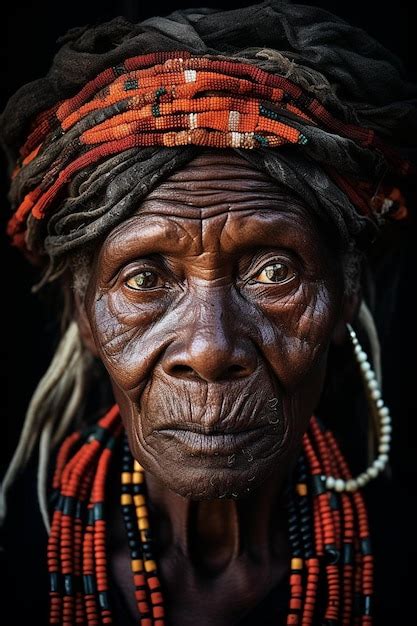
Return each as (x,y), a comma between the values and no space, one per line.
(137,565)
(126,478)
(137,467)
(143,523)
(150,566)
(301,489)
(126,498)
(139,499)
(141,511)
(143,536)
(138,477)
(296,563)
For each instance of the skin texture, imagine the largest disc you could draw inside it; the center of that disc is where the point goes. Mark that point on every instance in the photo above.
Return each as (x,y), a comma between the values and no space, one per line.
(212,309)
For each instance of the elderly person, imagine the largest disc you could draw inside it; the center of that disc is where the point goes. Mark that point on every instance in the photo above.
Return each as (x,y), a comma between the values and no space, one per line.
(204,188)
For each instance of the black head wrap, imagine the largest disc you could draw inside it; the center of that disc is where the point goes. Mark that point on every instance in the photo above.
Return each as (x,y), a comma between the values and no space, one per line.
(357,79)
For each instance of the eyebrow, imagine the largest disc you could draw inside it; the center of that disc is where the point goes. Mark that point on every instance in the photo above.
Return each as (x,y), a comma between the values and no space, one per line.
(138,236)
(147,234)
(259,233)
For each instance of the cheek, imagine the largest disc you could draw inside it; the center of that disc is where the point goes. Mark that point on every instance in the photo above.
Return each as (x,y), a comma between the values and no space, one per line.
(295,336)
(128,338)
(307,349)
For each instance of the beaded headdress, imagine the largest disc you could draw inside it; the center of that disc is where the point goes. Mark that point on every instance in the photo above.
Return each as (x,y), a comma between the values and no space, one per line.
(89,141)
(173,99)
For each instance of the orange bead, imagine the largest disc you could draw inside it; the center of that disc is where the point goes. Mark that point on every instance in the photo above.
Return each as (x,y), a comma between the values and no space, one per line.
(158,611)
(153,582)
(143,607)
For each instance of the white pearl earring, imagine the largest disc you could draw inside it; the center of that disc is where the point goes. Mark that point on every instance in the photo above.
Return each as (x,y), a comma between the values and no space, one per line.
(375,400)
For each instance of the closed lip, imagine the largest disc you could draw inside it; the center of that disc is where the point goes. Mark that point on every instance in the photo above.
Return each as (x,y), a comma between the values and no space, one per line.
(203,430)
(212,442)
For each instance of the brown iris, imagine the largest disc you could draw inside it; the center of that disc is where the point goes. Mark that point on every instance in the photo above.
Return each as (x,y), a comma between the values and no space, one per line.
(275,273)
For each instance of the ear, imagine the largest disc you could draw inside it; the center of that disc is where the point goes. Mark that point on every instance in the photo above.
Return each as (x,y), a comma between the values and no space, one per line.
(349,310)
(84,325)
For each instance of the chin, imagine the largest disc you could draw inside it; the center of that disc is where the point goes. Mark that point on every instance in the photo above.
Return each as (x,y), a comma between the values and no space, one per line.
(208,467)
(214,485)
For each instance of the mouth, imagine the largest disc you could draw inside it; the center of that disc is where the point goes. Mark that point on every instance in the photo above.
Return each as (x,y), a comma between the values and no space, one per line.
(215,442)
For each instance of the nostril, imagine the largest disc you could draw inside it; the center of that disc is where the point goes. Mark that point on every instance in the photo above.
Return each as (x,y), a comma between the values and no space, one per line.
(236,369)
(182,370)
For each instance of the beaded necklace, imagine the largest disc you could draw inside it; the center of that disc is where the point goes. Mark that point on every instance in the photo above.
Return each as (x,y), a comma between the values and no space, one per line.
(328,535)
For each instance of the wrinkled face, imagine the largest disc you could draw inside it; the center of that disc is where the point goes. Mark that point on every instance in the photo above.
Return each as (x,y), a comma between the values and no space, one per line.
(212,309)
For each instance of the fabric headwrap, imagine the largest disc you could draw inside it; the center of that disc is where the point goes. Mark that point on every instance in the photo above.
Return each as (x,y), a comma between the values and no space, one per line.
(89,141)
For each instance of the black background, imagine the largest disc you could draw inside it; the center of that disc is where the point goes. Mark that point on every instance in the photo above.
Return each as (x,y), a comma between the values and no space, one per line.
(28,36)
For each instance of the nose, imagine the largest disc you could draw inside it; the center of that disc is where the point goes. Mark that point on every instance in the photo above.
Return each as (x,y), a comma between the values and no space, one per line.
(212,348)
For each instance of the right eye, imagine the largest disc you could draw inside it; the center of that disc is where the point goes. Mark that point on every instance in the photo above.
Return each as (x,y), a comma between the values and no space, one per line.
(146,279)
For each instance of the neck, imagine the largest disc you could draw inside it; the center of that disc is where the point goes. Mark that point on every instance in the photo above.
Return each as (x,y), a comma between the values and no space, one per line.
(213,534)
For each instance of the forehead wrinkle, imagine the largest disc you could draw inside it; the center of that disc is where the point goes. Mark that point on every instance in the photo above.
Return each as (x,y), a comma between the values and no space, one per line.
(236,229)
(204,205)
(211,201)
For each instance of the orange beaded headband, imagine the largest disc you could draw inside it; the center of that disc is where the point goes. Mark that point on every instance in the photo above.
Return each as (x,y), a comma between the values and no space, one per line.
(173,99)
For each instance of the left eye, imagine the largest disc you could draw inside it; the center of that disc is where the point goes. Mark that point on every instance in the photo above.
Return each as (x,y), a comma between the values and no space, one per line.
(143,280)
(275,273)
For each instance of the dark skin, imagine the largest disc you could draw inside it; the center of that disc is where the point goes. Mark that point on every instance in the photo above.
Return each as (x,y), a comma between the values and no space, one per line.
(212,309)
